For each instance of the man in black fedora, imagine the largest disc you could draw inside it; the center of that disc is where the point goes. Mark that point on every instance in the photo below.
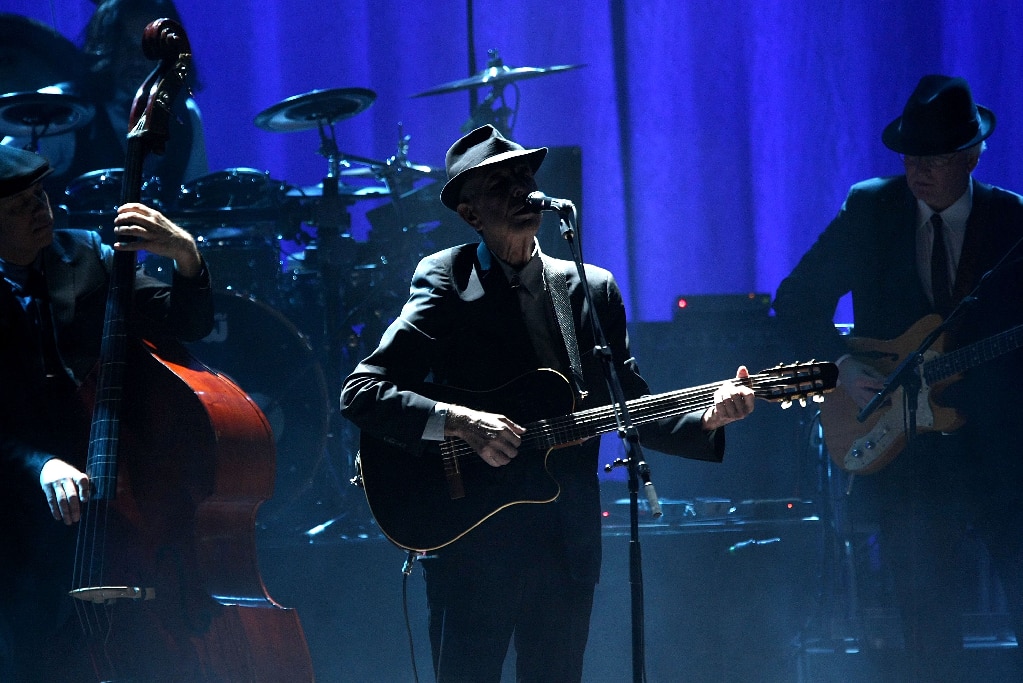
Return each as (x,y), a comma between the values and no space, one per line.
(480,317)
(907,247)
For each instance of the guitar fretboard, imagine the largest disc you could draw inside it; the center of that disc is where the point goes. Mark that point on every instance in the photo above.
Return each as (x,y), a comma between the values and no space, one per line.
(971,355)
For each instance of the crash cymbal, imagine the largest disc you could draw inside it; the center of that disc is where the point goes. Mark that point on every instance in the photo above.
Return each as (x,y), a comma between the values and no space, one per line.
(309,110)
(494,76)
(351,192)
(41,114)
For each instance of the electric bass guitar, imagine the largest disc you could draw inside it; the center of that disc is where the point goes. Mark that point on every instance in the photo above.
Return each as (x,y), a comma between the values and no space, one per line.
(424,502)
(866,447)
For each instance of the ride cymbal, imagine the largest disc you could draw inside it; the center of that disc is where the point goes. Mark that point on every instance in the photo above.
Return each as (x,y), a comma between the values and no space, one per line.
(41,114)
(309,110)
(498,75)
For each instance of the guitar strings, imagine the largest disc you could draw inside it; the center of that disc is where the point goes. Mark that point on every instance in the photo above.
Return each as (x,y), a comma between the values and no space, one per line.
(567,429)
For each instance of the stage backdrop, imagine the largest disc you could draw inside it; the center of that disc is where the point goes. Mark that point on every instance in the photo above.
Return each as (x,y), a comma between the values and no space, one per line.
(717,138)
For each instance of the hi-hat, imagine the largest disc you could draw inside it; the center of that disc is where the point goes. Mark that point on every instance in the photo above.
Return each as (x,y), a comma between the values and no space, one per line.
(311,109)
(41,114)
(494,76)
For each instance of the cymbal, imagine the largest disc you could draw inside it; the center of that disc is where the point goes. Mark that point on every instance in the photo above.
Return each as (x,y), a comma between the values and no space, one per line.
(496,76)
(386,170)
(344,191)
(309,110)
(23,114)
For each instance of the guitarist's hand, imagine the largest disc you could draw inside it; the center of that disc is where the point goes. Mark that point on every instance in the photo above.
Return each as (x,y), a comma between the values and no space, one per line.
(494,437)
(732,401)
(859,380)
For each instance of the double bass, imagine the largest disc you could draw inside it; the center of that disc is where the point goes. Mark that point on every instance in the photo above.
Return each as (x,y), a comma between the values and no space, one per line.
(166,579)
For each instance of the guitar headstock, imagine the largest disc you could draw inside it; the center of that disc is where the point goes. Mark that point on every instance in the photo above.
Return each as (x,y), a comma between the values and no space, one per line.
(795,382)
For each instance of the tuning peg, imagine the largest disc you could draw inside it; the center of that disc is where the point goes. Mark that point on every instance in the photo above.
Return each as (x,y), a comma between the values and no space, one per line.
(786,404)
(818,398)
(802,402)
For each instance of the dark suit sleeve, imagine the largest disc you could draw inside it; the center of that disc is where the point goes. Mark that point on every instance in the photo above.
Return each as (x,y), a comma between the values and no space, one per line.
(183,311)
(376,396)
(806,300)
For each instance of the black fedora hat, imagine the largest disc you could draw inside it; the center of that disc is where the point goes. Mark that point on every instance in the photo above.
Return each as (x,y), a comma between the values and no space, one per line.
(484,146)
(20,170)
(939,118)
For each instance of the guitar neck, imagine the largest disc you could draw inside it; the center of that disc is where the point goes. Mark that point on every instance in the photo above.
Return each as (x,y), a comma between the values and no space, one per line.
(551,433)
(782,384)
(971,355)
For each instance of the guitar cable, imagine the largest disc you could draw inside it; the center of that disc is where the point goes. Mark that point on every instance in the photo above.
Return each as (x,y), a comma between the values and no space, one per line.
(406,571)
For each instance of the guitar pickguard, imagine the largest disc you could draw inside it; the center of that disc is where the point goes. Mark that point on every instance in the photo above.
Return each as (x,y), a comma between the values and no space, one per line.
(887,433)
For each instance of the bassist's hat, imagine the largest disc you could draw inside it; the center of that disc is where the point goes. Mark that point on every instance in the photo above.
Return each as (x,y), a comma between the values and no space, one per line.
(940,118)
(20,170)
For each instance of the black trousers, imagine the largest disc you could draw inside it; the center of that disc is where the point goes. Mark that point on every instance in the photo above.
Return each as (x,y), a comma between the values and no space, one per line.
(480,602)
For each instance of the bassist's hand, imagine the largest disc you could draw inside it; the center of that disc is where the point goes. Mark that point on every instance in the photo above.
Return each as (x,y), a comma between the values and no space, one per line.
(66,488)
(494,437)
(157,234)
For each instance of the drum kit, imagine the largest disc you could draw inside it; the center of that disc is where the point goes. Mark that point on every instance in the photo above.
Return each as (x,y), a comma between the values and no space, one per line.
(296,294)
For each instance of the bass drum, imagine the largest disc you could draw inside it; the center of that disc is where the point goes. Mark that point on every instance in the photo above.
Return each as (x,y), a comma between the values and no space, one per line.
(274,364)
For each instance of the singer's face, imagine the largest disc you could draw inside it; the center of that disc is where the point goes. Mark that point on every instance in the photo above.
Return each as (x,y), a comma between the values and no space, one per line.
(494,203)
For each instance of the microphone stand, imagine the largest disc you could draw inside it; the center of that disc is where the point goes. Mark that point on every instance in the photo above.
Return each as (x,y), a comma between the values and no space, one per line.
(637,466)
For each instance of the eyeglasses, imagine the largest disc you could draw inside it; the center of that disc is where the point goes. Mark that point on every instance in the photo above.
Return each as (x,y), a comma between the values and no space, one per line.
(931,161)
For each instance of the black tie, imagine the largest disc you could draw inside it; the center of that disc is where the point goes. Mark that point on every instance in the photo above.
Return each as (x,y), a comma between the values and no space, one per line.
(940,285)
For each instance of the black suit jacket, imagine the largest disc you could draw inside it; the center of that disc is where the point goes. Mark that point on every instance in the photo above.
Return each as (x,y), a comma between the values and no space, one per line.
(34,421)
(462,327)
(869,250)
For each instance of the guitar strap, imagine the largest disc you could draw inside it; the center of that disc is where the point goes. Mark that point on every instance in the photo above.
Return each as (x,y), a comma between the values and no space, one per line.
(558,281)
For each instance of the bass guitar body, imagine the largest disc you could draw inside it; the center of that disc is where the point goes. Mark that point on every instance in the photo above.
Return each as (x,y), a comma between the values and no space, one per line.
(868,446)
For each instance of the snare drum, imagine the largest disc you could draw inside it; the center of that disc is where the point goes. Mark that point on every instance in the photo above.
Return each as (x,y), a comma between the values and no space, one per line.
(262,352)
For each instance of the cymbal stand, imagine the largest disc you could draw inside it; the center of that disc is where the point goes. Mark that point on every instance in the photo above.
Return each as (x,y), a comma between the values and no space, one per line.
(503,117)
(332,223)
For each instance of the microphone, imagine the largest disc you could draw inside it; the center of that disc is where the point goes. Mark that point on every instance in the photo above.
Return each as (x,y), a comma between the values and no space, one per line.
(541,202)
